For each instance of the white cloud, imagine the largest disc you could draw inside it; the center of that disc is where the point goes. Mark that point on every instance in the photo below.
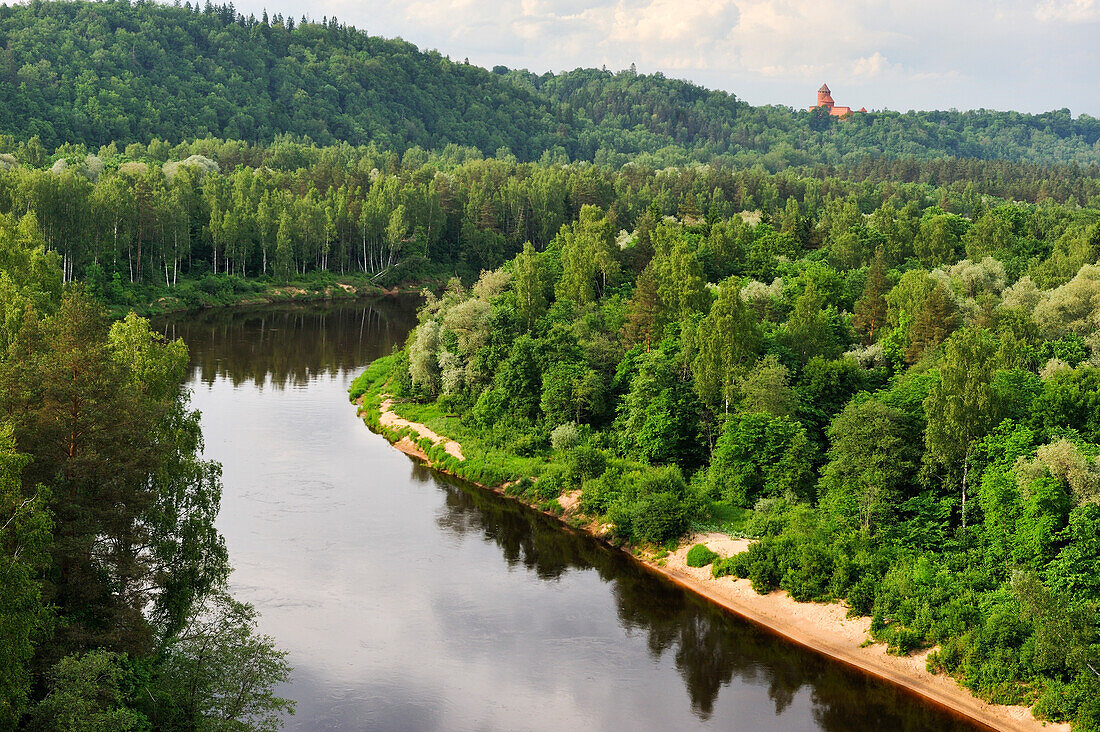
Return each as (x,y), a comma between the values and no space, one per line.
(886,53)
(1069,11)
(873,66)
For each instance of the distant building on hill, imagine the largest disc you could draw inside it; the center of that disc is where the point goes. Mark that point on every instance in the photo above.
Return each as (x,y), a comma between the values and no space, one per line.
(825,99)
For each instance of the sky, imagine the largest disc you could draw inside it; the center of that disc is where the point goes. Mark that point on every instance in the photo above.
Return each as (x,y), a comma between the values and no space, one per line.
(879,54)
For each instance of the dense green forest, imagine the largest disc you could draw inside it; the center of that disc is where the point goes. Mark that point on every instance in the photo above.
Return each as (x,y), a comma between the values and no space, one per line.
(870,344)
(884,371)
(150,221)
(102,72)
(114,613)
(892,386)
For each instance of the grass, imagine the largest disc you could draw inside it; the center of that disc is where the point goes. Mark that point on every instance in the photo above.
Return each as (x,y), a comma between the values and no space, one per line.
(483,464)
(725,518)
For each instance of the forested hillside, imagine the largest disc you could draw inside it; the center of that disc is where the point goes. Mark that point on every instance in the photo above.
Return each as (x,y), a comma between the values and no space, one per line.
(102,72)
(873,344)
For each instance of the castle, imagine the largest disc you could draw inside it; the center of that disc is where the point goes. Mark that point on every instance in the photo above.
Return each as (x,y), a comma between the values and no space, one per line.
(825,99)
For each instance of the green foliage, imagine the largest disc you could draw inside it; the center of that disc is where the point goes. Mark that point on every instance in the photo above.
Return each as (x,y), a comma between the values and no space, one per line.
(760,456)
(653,505)
(700,556)
(658,417)
(565,437)
(347,86)
(657,518)
(898,427)
(25,538)
(107,510)
(219,671)
(725,343)
(86,695)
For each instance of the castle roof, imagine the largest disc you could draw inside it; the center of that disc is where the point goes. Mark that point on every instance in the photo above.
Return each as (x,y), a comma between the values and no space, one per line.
(825,88)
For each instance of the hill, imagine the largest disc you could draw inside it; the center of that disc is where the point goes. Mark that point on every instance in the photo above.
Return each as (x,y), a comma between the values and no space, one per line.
(101,72)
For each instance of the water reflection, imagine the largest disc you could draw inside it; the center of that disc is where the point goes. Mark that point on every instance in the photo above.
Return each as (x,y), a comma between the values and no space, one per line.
(710,647)
(288,345)
(410,601)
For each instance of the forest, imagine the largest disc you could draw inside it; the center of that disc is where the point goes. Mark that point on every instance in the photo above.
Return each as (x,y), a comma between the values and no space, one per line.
(94,73)
(155,221)
(872,345)
(884,372)
(891,386)
(114,609)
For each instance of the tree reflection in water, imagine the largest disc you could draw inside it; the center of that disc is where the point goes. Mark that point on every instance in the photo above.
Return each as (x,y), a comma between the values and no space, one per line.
(709,646)
(287,345)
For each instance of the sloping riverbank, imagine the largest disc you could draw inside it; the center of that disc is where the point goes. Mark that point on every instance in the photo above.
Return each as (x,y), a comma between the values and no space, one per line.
(822,627)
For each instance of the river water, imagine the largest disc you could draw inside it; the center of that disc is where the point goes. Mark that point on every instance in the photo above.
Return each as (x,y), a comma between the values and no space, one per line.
(408,601)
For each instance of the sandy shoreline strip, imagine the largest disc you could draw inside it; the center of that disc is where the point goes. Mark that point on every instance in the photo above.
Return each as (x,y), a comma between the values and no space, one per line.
(825,628)
(389,418)
(822,627)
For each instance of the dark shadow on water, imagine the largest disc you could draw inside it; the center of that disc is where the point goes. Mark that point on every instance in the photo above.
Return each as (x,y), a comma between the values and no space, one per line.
(710,647)
(287,345)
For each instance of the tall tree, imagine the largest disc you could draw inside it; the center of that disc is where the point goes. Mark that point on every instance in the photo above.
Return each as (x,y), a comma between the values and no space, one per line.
(727,341)
(962,407)
(870,310)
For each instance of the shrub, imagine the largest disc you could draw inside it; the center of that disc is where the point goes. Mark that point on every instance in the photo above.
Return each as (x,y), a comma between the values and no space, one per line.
(905,641)
(861,596)
(522,487)
(586,462)
(528,444)
(700,556)
(725,567)
(565,437)
(552,483)
(659,517)
(808,572)
(599,494)
(758,564)
(547,489)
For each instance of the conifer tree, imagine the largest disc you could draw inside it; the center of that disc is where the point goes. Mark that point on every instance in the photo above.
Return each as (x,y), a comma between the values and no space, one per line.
(870,310)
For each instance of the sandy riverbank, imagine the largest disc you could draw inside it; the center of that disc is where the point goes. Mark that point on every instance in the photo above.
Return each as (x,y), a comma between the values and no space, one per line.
(389,418)
(823,627)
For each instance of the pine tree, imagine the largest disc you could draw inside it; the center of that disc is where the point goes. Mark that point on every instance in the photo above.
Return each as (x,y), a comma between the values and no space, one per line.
(870,310)
(644,311)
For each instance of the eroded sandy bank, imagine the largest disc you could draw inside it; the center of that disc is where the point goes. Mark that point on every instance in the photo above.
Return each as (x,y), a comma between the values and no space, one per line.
(822,627)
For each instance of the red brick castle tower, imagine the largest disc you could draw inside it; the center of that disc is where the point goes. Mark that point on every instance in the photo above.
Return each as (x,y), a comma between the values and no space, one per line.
(825,99)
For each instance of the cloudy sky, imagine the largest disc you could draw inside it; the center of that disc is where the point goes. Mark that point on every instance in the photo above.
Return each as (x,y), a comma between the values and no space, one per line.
(895,54)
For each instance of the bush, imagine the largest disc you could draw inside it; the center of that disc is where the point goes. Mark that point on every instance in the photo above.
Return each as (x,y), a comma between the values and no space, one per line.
(565,437)
(807,573)
(700,556)
(528,444)
(861,596)
(598,495)
(904,641)
(586,462)
(658,518)
(757,564)
(547,489)
(552,483)
(522,487)
(725,567)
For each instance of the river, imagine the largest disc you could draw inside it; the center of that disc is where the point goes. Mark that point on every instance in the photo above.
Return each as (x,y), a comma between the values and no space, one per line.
(408,601)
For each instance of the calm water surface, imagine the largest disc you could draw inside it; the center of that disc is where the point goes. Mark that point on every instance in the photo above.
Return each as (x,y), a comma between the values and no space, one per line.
(408,601)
